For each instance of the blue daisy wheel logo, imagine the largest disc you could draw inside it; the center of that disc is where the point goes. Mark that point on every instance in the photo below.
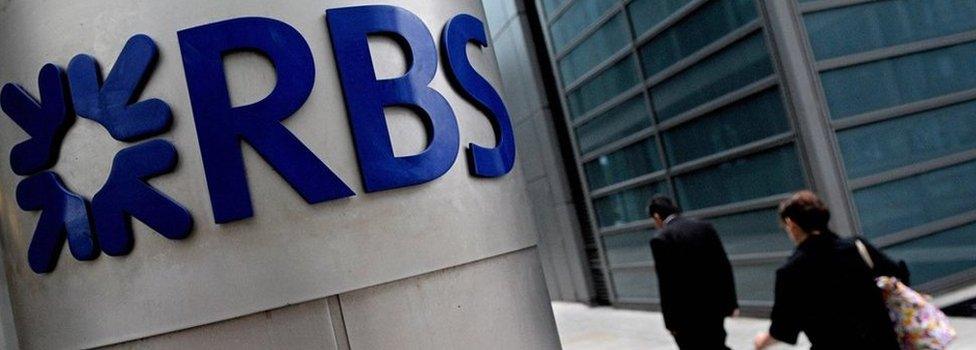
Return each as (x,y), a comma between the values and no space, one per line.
(102,224)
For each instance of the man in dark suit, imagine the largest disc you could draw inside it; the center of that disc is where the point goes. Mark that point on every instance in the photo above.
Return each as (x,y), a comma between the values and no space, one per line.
(694,275)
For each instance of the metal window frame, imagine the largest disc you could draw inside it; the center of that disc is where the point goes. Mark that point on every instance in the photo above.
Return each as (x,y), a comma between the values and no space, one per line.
(591,28)
(631,183)
(606,106)
(799,82)
(927,229)
(904,110)
(587,33)
(890,52)
(621,143)
(757,306)
(947,284)
(601,67)
(747,259)
(644,89)
(944,283)
(762,203)
(634,47)
(720,102)
(914,169)
(658,78)
(727,99)
(823,5)
(745,150)
(702,53)
(752,148)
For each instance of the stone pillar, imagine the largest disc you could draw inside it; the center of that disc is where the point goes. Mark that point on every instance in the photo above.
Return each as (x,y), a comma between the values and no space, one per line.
(450,263)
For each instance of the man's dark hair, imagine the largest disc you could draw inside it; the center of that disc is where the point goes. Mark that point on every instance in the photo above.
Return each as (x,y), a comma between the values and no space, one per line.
(662,205)
(806,210)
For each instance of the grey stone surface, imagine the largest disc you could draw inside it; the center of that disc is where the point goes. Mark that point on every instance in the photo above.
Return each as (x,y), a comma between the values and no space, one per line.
(497,303)
(302,326)
(587,328)
(290,252)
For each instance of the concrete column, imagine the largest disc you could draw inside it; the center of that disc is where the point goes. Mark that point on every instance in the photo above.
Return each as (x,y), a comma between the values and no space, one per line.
(801,84)
(447,264)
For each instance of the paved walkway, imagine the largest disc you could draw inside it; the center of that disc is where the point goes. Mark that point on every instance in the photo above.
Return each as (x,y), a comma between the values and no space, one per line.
(586,328)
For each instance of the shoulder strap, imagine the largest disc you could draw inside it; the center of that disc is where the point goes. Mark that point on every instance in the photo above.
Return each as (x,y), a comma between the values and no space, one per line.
(863,250)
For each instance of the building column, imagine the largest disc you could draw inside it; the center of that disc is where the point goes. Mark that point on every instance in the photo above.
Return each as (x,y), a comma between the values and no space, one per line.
(811,119)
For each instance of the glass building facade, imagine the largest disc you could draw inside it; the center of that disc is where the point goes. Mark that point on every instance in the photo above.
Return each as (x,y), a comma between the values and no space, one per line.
(703,100)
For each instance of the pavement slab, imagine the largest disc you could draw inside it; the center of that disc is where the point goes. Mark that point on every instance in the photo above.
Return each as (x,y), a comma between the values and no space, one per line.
(582,327)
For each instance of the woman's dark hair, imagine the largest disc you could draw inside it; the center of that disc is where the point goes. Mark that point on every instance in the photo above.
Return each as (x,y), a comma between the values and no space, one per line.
(806,210)
(662,205)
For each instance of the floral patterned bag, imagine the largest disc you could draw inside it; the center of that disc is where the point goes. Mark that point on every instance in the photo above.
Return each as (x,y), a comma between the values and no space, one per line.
(918,324)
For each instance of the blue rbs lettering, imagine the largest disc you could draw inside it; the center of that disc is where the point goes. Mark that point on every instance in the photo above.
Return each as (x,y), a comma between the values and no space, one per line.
(366,96)
(103,225)
(221,127)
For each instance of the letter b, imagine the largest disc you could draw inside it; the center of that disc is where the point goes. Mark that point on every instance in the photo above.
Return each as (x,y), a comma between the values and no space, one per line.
(366,96)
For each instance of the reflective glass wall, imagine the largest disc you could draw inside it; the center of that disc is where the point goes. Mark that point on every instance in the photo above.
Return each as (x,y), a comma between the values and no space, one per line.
(679,97)
(685,97)
(899,78)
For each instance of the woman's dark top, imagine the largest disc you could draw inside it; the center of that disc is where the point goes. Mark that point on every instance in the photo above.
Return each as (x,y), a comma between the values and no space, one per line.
(827,291)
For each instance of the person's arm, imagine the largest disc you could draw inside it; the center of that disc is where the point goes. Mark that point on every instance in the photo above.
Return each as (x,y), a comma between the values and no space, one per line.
(763,340)
(727,279)
(785,325)
(666,282)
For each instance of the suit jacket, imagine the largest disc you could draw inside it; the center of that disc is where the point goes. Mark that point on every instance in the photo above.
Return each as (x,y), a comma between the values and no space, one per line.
(694,274)
(827,291)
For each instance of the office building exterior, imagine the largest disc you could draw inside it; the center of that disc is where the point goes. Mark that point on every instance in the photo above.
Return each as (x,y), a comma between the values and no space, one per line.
(729,106)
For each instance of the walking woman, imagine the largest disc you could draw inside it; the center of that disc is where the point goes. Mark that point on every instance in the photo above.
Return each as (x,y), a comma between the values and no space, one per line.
(826,290)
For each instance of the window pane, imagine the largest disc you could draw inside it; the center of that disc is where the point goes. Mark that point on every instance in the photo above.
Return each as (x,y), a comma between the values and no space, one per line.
(635,283)
(626,119)
(755,231)
(756,282)
(708,23)
(645,14)
(907,140)
(892,82)
(939,255)
(579,16)
(608,84)
(754,176)
(625,206)
(628,247)
(751,119)
(881,24)
(609,39)
(728,70)
(627,163)
(906,203)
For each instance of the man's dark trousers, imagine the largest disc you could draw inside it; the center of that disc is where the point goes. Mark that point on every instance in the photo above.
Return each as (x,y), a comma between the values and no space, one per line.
(709,334)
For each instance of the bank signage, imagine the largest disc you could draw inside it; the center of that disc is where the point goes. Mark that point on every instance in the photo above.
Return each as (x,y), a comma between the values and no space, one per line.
(104,224)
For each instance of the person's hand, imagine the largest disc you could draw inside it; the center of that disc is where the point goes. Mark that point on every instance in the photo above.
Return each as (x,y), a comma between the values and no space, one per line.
(763,340)
(735,313)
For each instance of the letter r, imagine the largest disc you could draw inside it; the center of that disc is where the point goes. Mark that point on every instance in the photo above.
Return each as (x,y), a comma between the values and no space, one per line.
(221,127)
